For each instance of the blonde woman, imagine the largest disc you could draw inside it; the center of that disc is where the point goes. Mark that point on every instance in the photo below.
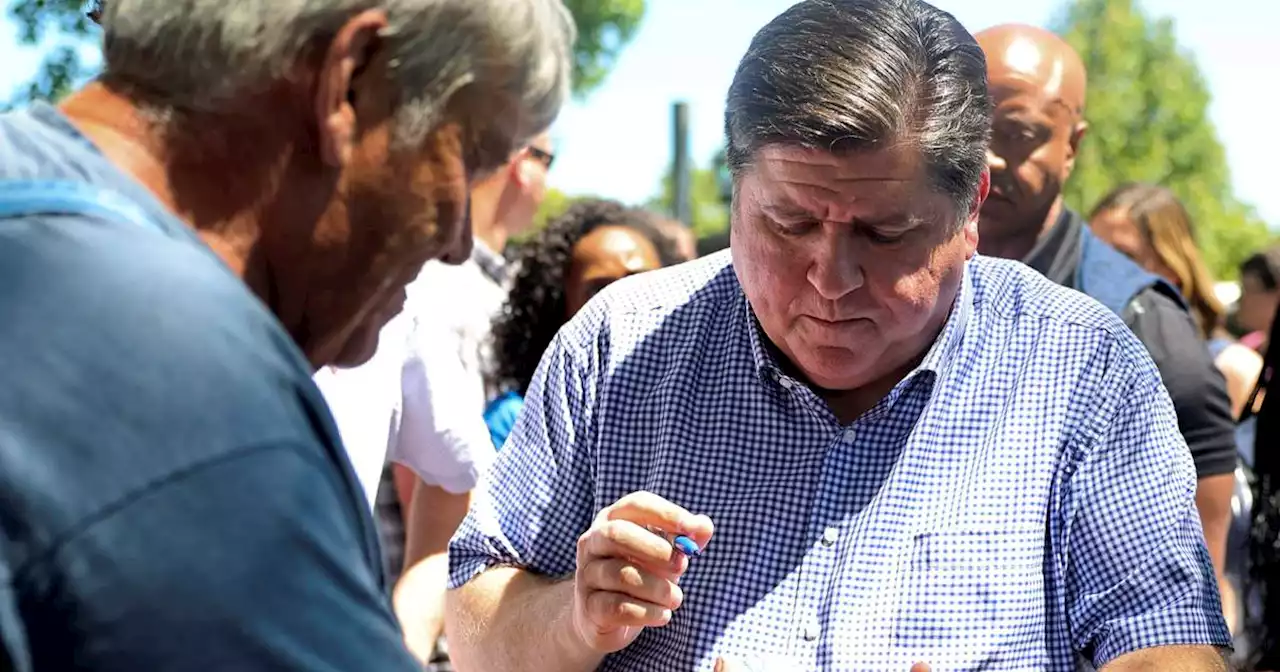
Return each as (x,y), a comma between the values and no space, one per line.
(1150,225)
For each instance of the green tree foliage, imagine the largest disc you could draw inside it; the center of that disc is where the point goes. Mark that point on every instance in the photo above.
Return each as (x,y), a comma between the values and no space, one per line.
(63,26)
(1148,115)
(604,28)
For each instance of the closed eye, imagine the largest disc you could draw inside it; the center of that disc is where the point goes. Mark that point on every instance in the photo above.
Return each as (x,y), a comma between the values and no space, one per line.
(883,238)
(795,228)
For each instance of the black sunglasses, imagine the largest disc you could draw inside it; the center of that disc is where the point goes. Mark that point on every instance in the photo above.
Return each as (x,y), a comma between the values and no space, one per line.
(545,157)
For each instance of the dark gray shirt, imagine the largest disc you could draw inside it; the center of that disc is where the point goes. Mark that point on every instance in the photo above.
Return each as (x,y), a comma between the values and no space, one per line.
(173,494)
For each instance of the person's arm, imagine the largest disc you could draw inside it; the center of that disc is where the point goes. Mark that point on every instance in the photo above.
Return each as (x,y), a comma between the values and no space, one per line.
(433,515)
(1241,367)
(534,615)
(1170,659)
(1203,408)
(261,560)
(518,540)
(443,439)
(1136,569)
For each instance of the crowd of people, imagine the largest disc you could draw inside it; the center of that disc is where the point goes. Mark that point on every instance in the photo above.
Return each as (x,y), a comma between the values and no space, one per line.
(295,385)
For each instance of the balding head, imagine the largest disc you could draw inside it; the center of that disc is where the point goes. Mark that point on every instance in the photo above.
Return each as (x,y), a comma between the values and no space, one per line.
(1037,82)
(1037,57)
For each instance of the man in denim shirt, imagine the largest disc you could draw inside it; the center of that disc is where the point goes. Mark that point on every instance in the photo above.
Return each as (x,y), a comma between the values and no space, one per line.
(239,199)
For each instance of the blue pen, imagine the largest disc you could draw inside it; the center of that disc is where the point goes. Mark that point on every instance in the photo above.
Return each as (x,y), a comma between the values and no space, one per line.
(686,545)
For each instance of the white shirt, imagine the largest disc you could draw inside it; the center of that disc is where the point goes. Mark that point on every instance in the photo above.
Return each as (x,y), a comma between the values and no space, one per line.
(420,399)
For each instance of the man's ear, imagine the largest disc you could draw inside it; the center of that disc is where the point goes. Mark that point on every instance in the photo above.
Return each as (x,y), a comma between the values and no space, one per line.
(347,56)
(970,229)
(1077,137)
(518,169)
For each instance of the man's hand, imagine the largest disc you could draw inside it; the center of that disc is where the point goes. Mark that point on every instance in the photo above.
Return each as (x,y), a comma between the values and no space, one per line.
(626,575)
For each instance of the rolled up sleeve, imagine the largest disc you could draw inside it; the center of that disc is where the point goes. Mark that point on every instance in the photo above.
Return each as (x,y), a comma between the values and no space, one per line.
(1138,573)
(441,434)
(531,507)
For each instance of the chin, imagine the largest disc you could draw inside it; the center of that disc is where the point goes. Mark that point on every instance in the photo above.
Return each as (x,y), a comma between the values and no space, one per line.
(834,368)
(359,348)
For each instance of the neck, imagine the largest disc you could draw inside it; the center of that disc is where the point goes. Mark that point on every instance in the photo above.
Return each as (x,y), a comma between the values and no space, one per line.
(487,223)
(1018,242)
(849,405)
(208,180)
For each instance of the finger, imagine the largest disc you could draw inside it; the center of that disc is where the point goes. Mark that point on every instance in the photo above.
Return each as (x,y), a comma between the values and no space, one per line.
(920,667)
(624,539)
(647,509)
(620,576)
(614,610)
(723,665)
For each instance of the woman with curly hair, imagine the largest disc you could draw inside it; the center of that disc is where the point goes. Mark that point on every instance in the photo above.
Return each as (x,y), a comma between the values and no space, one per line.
(593,244)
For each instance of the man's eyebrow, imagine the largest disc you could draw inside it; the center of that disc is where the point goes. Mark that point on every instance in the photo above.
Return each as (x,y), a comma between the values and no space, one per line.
(786,211)
(896,221)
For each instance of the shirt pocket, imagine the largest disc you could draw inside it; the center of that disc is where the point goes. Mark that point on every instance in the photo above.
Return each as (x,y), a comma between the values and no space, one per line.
(975,599)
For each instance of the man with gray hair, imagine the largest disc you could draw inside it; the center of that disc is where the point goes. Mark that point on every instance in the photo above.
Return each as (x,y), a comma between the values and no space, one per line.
(239,199)
(854,444)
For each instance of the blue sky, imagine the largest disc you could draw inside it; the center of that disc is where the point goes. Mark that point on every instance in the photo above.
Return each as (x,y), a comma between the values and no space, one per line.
(617,142)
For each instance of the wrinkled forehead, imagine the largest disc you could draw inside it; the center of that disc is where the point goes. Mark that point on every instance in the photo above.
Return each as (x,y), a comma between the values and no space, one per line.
(791,182)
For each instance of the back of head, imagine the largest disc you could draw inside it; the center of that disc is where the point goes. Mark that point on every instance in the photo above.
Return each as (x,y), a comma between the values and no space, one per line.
(1166,225)
(1265,266)
(198,56)
(860,75)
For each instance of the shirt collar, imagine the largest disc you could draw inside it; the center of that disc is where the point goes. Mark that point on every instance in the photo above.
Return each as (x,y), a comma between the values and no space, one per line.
(1057,254)
(937,360)
(490,262)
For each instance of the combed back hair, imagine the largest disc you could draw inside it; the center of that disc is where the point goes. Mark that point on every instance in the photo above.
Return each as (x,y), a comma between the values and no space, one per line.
(196,55)
(1166,226)
(851,76)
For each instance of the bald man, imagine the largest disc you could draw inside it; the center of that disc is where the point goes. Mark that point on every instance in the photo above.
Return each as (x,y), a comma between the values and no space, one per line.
(1038,84)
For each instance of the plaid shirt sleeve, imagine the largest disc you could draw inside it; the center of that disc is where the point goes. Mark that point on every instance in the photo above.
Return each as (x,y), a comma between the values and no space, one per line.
(536,500)
(1138,574)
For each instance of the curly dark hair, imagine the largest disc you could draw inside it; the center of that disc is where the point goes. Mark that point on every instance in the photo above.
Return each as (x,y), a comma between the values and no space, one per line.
(535,307)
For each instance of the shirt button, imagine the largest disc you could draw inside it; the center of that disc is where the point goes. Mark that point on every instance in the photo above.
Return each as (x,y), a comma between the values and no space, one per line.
(850,435)
(829,536)
(786,383)
(811,631)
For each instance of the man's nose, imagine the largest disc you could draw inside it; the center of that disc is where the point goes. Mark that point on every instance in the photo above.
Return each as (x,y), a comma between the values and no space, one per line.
(837,268)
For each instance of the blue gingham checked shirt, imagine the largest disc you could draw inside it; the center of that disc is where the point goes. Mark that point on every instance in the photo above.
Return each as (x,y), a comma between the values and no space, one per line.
(1022,497)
